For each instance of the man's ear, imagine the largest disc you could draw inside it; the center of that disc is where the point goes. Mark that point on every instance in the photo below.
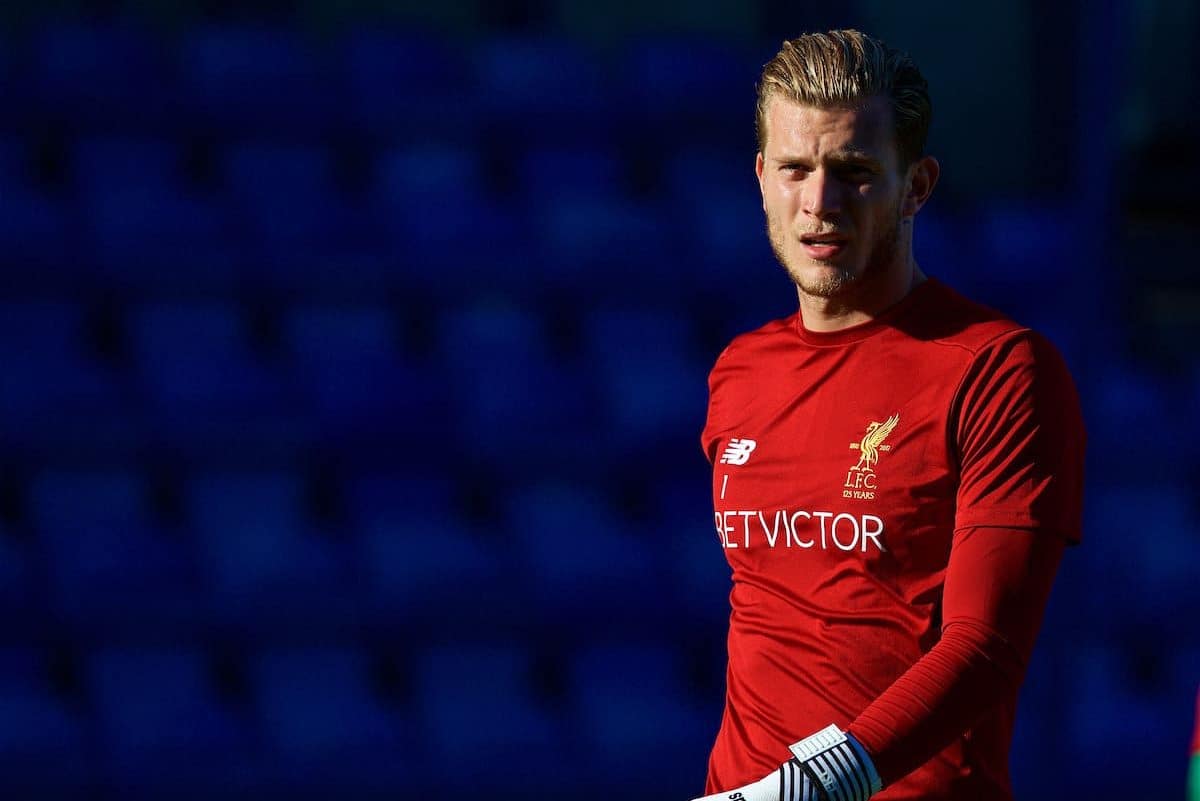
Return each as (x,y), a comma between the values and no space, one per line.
(758,172)
(922,177)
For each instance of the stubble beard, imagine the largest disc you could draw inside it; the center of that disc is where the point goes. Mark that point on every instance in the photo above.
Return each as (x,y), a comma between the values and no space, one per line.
(885,249)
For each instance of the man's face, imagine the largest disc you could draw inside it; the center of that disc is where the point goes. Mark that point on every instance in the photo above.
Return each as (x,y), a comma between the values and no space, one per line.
(832,191)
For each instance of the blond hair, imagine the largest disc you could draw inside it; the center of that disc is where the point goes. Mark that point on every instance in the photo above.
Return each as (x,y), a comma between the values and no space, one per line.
(843,67)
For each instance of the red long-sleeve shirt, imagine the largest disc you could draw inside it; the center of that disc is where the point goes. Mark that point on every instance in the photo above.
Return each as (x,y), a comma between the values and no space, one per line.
(893,500)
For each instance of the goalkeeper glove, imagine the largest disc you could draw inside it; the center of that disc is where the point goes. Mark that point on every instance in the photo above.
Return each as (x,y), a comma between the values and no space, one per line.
(827,766)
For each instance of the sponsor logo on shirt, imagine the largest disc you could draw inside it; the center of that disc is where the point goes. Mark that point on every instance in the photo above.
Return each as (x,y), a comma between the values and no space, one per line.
(861,482)
(737,452)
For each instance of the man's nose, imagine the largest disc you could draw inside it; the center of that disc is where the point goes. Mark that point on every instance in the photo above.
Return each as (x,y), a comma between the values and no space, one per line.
(822,194)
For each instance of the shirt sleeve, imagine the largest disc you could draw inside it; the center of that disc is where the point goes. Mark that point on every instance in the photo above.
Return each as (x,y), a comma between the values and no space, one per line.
(1020,439)
(997,584)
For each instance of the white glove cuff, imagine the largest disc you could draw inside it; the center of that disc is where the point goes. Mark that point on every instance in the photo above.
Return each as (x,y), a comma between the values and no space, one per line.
(838,764)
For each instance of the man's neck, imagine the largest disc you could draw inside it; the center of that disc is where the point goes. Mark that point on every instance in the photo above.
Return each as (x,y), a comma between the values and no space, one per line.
(857,307)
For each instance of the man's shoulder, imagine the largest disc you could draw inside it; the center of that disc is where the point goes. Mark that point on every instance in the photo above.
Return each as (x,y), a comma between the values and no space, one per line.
(753,343)
(951,319)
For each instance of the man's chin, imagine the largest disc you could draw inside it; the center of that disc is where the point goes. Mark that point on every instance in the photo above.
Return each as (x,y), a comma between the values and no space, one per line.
(821,279)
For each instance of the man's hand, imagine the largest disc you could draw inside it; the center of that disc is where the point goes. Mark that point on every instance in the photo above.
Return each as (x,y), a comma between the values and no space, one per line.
(828,764)
(789,783)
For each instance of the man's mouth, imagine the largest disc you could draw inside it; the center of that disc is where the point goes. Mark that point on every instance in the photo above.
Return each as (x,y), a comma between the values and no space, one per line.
(823,246)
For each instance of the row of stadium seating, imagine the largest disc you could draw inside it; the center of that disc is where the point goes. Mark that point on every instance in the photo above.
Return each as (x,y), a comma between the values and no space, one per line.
(348,719)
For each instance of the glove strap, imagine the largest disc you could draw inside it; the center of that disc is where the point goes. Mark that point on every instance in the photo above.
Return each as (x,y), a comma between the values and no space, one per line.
(837,764)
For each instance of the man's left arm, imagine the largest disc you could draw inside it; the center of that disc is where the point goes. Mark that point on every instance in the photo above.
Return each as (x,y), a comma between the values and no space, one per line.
(997,584)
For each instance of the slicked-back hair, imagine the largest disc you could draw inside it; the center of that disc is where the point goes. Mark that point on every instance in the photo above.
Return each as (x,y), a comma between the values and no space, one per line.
(845,67)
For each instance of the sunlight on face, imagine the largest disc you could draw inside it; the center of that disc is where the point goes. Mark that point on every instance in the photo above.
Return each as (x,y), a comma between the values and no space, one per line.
(832,190)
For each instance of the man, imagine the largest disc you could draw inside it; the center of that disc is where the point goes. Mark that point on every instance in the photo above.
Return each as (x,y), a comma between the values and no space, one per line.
(1194,764)
(896,469)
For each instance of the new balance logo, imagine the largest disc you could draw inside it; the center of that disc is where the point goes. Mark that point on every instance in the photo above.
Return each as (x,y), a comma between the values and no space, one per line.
(738,451)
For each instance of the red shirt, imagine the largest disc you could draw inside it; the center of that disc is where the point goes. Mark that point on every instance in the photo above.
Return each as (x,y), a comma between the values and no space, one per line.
(847,466)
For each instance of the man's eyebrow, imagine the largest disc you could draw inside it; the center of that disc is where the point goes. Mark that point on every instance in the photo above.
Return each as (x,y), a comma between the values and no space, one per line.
(836,157)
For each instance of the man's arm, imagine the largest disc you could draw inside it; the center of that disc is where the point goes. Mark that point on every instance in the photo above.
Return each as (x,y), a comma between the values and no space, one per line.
(997,584)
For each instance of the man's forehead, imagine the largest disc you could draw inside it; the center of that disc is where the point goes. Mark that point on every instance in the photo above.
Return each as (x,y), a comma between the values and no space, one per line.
(862,125)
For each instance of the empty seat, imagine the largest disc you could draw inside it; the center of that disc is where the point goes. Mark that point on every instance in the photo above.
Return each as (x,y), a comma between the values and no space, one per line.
(44,739)
(163,238)
(325,725)
(606,246)
(206,385)
(19,584)
(102,165)
(1133,715)
(353,374)
(481,713)
(654,385)
(409,84)
(37,240)
(109,566)
(71,60)
(302,230)
(420,196)
(54,393)
(697,568)
(513,400)
(700,84)
(267,563)
(549,173)
(584,561)
(543,88)
(164,721)
(258,80)
(635,711)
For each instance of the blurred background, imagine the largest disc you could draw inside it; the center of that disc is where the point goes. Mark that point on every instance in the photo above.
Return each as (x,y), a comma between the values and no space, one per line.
(353,360)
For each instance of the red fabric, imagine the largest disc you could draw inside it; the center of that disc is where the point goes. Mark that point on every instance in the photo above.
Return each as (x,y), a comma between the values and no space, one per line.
(1196,733)
(898,472)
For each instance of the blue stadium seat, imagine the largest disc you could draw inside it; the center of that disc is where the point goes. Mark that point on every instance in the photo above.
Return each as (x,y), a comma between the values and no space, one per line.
(654,384)
(14,162)
(37,241)
(1129,722)
(543,89)
(374,498)
(585,561)
(324,724)
(163,721)
(514,401)
(110,568)
(354,376)
(302,230)
(417,568)
(53,393)
(550,173)
(1119,393)
(267,564)
(421,195)
(71,60)
(697,568)
(45,745)
(1150,531)
(247,79)
(162,239)
(635,714)
(19,585)
(606,246)
(409,85)
(721,234)
(701,83)
(105,164)
(480,713)
(205,385)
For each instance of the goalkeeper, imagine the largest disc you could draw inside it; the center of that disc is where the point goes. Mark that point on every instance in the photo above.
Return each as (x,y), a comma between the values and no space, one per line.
(897,470)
